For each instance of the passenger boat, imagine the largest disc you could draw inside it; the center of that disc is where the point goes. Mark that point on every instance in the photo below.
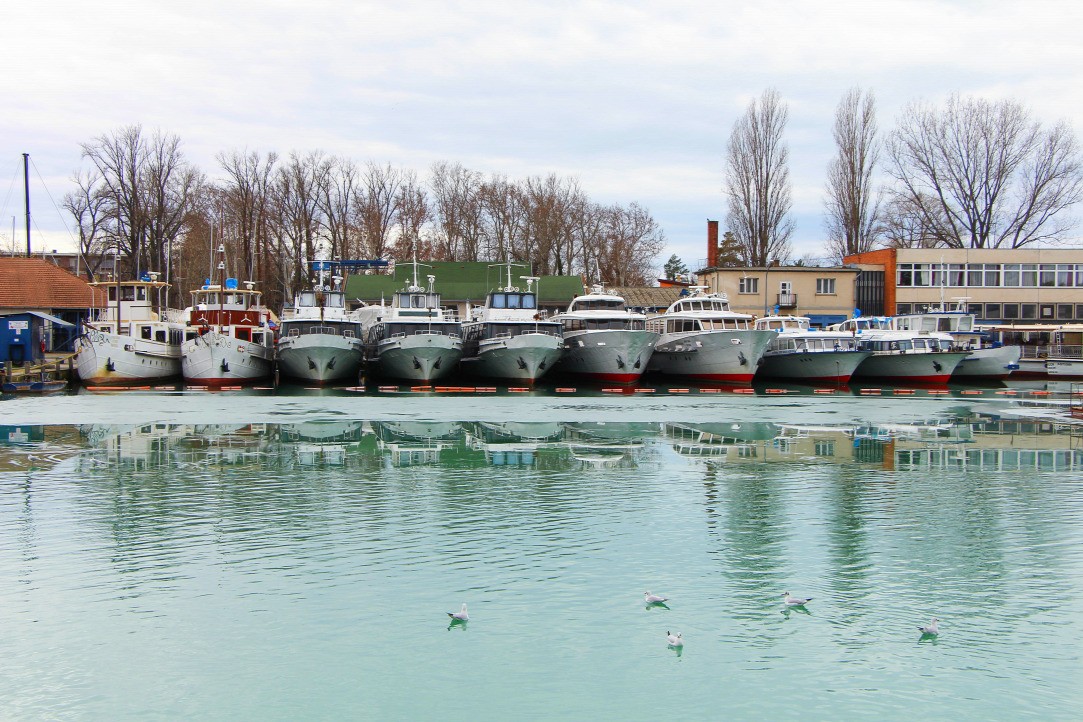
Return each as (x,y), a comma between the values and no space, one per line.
(985,359)
(507,338)
(229,337)
(900,356)
(701,338)
(413,338)
(1046,351)
(603,339)
(806,355)
(319,341)
(135,339)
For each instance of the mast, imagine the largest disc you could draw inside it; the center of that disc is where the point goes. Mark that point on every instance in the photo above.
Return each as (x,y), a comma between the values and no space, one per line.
(26,194)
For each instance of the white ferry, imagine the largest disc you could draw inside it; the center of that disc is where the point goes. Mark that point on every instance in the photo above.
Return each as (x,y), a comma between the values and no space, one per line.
(900,356)
(133,340)
(603,339)
(701,338)
(806,355)
(984,360)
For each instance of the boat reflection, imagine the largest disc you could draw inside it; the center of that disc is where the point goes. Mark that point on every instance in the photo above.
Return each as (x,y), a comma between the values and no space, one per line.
(966,441)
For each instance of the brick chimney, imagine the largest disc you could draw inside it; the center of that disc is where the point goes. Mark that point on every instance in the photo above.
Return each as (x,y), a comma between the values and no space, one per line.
(712,244)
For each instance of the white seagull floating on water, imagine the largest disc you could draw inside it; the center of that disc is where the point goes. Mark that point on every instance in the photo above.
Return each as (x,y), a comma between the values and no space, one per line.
(460,615)
(932,627)
(674,640)
(654,598)
(791,601)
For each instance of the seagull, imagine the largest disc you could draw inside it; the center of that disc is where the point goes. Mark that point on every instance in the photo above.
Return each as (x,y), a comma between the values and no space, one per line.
(674,640)
(790,601)
(460,615)
(654,598)
(932,628)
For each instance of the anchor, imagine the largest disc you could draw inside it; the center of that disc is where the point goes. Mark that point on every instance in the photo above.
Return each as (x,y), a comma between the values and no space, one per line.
(620,362)
(437,364)
(417,364)
(937,366)
(522,363)
(331,363)
(741,358)
(225,366)
(311,364)
(109,365)
(639,361)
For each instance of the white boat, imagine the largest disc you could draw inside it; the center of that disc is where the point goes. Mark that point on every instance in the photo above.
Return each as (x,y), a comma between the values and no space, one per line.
(133,340)
(413,338)
(319,341)
(900,356)
(603,339)
(807,355)
(701,338)
(229,338)
(507,338)
(984,359)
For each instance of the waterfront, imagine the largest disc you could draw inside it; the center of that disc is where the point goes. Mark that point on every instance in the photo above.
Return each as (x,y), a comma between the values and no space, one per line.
(267,555)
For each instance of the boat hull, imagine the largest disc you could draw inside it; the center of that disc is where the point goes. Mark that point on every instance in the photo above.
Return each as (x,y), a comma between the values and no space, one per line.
(729,356)
(418,357)
(618,355)
(320,358)
(814,367)
(215,359)
(106,359)
(988,363)
(922,368)
(526,357)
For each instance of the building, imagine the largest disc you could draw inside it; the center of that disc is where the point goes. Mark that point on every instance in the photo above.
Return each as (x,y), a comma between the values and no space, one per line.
(463,284)
(37,289)
(825,295)
(999,285)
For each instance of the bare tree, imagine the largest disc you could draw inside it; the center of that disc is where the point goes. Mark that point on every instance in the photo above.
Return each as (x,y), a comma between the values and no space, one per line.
(376,207)
(337,205)
(984,174)
(246,197)
(632,242)
(412,214)
(457,210)
(298,221)
(852,213)
(505,213)
(757,183)
(89,206)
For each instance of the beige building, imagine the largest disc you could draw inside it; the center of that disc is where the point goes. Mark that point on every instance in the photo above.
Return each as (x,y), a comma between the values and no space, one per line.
(825,295)
(1000,285)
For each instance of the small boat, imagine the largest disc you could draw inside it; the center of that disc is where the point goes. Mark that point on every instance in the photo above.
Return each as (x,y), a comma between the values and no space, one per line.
(900,356)
(319,341)
(40,386)
(413,338)
(134,340)
(603,339)
(985,360)
(806,355)
(507,337)
(701,338)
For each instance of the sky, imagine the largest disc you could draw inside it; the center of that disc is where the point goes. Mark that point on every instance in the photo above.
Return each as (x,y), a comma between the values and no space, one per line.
(634,99)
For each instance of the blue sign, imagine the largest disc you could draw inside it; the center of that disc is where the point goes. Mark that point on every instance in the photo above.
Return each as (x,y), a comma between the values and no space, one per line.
(231,284)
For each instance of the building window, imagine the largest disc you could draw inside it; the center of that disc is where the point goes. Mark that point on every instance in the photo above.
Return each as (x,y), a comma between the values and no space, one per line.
(902,309)
(905,275)
(974,308)
(1029,311)
(749,285)
(1079,311)
(1011,275)
(1065,275)
(956,275)
(825,286)
(1047,311)
(974,275)
(1011,311)
(1064,312)
(1030,275)
(992,275)
(1047,277)
(992,311)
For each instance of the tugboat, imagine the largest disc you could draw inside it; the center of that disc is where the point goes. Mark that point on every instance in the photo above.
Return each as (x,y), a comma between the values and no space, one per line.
(319,341)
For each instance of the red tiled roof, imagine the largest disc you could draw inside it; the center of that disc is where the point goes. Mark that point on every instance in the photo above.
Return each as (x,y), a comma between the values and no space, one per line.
(34,283)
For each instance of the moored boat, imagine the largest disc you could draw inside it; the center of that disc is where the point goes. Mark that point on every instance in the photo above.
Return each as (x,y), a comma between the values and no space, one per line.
(701,338)
(806,355)
(134,339)
(413,338)
(603,339)
(900,356)
(507,337)
(319,341)
(985,359)
(229,338)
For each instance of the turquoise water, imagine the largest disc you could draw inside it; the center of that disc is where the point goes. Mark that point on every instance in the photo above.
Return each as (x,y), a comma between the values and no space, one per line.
(264,556)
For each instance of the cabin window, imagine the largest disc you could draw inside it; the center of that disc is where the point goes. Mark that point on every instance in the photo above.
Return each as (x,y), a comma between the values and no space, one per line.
(189,335)
(500,300)
(514,300)
(112,293)
(417,301)
(529,301)
(159,335)
(257,337)
(141,293)
(308,298)
(127,293)
(144,333)
(244,334)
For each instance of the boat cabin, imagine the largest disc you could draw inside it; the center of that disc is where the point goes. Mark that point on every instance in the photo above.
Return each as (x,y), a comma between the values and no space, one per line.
(321,299)
(783,323)
(512,299)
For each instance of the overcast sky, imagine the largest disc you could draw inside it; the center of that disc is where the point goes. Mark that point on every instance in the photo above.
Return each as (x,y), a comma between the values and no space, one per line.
(635,99)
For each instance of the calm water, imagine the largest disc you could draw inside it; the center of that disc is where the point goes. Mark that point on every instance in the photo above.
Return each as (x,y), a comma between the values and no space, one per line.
(259,556)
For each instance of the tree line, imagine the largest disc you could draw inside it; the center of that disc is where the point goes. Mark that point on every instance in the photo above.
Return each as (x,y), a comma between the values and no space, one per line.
(140,201)
(968,173)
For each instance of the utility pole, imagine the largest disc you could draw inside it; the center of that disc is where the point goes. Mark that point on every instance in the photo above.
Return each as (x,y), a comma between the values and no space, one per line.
(26,194)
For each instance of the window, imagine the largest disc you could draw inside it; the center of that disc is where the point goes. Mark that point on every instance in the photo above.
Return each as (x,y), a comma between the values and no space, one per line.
(1046,310)
(905,275)
(992,311)
(902,309)
(1047,277)
(1065,275)
(749,285)
(1030,275)
(825,286)
(992,275)
(1079,310)
(1011,311)
(1011,274)
(956,275)
(1029,311)
(1064,312)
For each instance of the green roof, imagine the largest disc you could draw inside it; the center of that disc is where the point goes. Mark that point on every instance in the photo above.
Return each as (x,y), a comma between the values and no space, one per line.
(464,281)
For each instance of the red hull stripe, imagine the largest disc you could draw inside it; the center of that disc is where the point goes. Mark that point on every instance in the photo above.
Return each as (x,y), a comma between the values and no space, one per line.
(616,378)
